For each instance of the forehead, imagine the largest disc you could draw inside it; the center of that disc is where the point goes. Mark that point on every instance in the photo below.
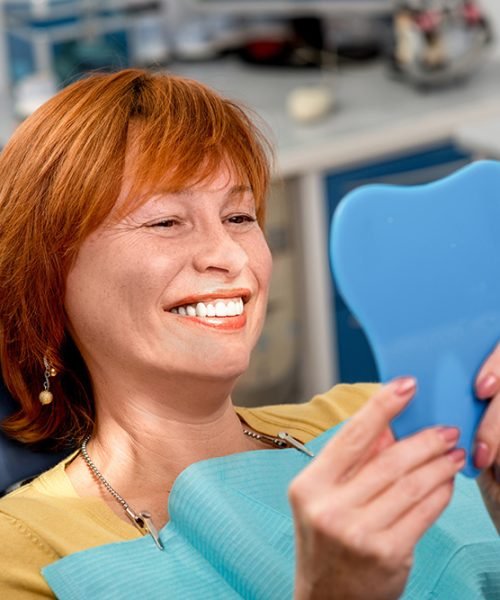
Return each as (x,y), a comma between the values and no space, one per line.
(231,194)
(222,181)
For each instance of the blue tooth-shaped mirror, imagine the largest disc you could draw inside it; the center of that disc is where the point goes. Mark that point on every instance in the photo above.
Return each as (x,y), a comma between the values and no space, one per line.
(420,269)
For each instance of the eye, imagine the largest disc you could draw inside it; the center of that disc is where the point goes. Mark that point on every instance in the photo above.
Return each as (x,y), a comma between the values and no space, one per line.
(241,219)
(165,223)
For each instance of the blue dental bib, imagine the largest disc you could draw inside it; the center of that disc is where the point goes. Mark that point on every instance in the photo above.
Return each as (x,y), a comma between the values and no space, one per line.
(231,536)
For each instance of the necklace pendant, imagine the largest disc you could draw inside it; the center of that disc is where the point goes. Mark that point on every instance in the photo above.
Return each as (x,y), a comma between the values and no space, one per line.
(283,435)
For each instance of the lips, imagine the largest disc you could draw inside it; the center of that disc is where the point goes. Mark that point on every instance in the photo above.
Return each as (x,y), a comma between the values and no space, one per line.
(223,309)
(221,295)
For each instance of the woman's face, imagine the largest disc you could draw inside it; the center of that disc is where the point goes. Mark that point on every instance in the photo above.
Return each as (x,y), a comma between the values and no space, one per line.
(179,286)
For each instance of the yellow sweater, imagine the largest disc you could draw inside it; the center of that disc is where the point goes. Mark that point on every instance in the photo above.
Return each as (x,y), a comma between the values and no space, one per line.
(46,520)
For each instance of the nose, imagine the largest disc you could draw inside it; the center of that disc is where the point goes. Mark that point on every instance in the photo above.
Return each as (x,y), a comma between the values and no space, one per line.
(218,251)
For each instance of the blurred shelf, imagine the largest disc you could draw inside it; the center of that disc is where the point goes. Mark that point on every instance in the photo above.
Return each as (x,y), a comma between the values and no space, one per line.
(40,24)
(66,20)
(95,25)
(69,8)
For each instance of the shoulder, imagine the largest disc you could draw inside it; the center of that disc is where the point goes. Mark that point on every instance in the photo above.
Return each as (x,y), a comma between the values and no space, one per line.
(22,555)
(20,539)
(24,508)
(17,511)
(310,419)
(43,521)
(50,508)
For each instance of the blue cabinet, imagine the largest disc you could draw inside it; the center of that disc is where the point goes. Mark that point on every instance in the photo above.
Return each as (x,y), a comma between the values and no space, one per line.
(356,362)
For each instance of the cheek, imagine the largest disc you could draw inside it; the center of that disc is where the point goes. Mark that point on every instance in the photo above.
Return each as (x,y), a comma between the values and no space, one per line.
(267,270)
(88,302)
(102,282)
(262,262)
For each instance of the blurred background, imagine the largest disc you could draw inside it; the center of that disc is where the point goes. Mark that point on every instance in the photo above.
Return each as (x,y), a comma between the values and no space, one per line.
(352,91)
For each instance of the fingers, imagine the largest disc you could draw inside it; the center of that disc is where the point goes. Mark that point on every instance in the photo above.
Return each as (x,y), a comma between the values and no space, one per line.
(413,488)
(487,446)
(488,379)
(350,447)
(369,497)
(398,462)
(405,533)
(390,526)
(385,440)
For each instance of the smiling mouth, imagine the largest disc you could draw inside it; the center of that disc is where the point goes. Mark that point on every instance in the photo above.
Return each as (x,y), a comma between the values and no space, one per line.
(218,308)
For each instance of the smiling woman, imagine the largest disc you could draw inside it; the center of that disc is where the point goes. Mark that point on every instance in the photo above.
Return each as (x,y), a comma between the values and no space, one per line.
(134,274)
(165,134)
(140,283)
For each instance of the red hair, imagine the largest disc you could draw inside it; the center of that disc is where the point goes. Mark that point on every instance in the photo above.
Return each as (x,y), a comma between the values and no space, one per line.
(60,176)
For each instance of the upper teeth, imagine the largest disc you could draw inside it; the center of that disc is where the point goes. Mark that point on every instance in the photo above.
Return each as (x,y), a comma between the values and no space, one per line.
(218,308)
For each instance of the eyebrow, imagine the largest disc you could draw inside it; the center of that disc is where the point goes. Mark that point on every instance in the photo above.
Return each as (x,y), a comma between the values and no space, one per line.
(239,189)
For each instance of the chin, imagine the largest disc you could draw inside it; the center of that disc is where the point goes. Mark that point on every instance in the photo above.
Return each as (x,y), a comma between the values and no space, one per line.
(229,369)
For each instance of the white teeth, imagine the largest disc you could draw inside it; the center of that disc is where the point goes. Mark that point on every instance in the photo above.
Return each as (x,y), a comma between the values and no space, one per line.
(232,309)
(201,310)
(220,309)
(229,308)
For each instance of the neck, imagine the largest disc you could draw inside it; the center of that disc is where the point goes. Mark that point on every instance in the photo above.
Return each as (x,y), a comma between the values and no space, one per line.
(143,445)
(143,440)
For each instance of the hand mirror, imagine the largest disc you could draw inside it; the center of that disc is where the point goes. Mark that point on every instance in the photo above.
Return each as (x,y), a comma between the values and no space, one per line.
(420,269)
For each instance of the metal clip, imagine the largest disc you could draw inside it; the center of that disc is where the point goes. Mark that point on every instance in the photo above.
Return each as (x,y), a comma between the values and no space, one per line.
(283,435)
(144,524)
(151,529)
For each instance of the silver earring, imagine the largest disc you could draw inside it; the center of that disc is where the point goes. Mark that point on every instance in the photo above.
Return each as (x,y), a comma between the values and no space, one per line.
(45,395)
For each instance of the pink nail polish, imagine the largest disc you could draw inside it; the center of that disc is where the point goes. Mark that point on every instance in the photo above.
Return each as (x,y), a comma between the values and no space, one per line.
(404,385)
(457,455)
(487,385)
(482,455)
(449,434)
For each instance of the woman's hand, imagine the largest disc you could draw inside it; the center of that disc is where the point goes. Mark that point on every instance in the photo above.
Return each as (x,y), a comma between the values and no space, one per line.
(361,506)
(487,450)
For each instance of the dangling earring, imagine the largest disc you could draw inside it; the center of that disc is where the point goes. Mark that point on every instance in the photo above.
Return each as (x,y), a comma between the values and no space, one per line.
(45,395)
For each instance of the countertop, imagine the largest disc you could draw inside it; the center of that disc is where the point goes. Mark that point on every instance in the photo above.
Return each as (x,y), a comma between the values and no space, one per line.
(483,138)
(376,114)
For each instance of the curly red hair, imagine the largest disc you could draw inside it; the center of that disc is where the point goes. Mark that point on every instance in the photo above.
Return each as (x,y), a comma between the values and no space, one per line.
(60,176)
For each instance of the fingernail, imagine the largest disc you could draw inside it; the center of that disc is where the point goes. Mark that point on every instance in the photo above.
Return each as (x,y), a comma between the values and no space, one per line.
(487,385)
(481,455)
(457,455)
(404,385)
(449,434)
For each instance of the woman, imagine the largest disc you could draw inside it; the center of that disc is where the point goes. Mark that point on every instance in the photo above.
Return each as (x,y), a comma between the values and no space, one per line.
(134,276)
